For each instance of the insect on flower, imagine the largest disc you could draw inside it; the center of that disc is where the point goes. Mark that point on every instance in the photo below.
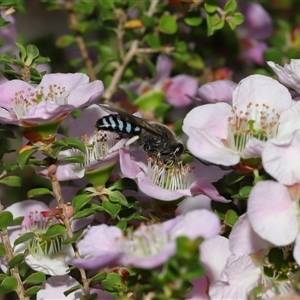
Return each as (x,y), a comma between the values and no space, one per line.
(155,139)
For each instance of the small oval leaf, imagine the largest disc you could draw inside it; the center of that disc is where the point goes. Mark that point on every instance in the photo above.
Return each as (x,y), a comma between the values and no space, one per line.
(35,278)
(6,219)
(11,181)
(24,238)
(16,260)
(80,201)
(55,230)
(167,24)
(9,284)
(38,192)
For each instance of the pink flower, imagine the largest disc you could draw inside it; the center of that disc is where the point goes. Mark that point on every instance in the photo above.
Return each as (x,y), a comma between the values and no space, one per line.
(261,109)
(217,91)
(49,259)
(256,27)
(55,287)
(168,183)
(47,104)
(8,34)
(253,263)
(102,149)
(147,247)
(275,219)
(175,89)
(214,253)
(281,158)
(289,74)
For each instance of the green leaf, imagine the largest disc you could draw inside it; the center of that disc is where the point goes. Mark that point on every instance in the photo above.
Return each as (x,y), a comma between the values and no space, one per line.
(151,67)
(122,224)
(162,109)
(147,21)
(181,46)
(2,251)
(9,284)
(130,94)
(38,192)
(24,156)
(77,159)
(32,53)
(153,41)
(55,230)
(22,50)
(6,219)
(80,201)
(11,181)
(245,191)
(124,184)
(273,54)
(24,238)
(231,217)
(2,277)
(111,208)
(117,197)
(238,18)
(72,289)
(211,6)
(167,24)
(230,6)
(113,282)
(16,260)
(150,100)
(193,21)
(41,60)
(98,277)
(77,144)
(84,213)
(76,236)
(33,290)
(65,41)
(35,278)
(17,221)
(196,62)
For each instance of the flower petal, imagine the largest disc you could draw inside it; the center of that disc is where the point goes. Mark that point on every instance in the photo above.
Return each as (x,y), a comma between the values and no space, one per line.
(179,87)
(281,159)
(217,91)
(272,213)
(243,240)
(261,90)
(197,223)
(210,148)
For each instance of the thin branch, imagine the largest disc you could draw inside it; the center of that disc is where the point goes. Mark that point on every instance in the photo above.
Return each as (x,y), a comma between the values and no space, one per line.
(151,50)
(129,55)
(120,33)
(58,196)
(10,254)
(80,40)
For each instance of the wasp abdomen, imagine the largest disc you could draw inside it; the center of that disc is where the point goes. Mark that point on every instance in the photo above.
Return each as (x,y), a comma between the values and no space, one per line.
(115,124)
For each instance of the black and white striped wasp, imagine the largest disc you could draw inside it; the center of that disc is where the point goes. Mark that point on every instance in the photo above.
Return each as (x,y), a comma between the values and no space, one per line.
(155,139)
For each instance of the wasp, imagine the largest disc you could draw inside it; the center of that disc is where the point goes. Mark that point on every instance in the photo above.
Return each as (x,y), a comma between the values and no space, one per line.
(156,139)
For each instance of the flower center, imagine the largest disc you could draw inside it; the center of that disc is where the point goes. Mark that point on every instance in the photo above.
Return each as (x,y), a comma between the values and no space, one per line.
(145,242)
(171,177)
(96,147)
(40,245)
(279,270)
(258,121)
(24,100)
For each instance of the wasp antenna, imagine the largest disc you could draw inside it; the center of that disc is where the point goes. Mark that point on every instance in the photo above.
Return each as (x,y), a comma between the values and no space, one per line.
(202,161)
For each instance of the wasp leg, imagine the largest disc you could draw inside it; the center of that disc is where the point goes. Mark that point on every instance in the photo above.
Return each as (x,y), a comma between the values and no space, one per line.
(132,140)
